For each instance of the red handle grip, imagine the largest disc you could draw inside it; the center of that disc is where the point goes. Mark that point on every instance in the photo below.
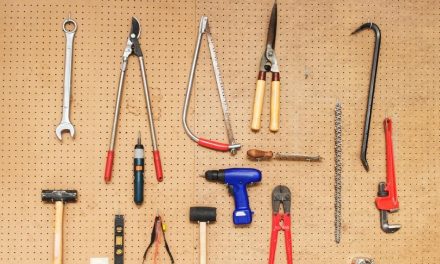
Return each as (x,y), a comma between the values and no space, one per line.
(109,166)
(213,144)
(158,165)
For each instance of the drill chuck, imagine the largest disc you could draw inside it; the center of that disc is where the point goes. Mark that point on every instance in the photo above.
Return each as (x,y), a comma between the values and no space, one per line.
(215,175)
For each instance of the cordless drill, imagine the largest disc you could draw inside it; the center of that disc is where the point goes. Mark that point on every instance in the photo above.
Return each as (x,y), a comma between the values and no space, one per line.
(237,180)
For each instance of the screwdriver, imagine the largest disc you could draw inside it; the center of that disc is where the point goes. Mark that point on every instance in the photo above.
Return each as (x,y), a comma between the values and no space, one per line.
(256,154)
(138,170)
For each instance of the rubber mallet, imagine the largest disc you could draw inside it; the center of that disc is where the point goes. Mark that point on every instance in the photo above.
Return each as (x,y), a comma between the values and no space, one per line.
(59,197)
(202,215)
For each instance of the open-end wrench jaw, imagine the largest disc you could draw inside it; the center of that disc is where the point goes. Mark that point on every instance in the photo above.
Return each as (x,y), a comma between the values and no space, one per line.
(63,127)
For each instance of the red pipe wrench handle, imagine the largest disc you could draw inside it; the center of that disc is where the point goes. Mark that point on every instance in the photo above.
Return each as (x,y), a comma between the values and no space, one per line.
(213,144)
(288,238)
(389,201)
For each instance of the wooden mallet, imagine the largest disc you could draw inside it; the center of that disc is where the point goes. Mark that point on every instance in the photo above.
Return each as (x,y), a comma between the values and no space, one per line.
(59,197)
(202,215)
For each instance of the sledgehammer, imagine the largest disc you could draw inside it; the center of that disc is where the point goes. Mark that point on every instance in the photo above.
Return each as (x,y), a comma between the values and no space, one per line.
(59,197)
(202,215)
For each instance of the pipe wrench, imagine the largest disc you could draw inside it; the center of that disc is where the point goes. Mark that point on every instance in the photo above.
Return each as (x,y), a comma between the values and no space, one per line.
(387,201)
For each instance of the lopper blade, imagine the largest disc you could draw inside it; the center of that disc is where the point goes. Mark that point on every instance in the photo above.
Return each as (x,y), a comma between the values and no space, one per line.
(135,27)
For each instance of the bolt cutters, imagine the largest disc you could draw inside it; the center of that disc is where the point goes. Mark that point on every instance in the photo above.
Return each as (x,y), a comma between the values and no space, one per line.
(281,222)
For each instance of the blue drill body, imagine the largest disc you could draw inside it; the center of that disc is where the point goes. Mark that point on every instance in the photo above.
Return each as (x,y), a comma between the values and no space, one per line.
(237,180)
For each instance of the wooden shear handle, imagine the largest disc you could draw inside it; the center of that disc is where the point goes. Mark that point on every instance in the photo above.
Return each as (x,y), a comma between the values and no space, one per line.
(275,102)
(258,101)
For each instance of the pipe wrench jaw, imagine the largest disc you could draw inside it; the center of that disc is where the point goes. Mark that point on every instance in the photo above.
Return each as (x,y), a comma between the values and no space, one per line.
(383,202)
(386,227)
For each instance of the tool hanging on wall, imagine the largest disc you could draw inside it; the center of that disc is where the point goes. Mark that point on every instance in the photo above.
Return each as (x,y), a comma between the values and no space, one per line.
(65,121)
(99,261)
(237,180)
(204,216)
(59,197)
(281,222)
(157,233)
(232,146)
(338,171)
(362,260)
(133,48)
(387,194)
(269,63)
(119,239)
(258,155)
(369,111)
(138,169)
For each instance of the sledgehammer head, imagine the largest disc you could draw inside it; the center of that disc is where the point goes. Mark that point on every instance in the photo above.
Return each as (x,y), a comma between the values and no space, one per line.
(203,214)
(59,195)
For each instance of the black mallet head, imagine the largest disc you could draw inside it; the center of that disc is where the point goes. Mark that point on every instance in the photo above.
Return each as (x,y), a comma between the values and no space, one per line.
(203,214)
(59,195)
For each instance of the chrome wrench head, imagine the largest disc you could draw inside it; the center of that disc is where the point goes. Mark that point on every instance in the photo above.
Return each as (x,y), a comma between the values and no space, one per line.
(63,127)
(65,121)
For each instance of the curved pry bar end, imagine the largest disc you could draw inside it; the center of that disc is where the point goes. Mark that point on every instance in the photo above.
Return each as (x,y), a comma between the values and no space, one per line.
(368,25)
(365,162)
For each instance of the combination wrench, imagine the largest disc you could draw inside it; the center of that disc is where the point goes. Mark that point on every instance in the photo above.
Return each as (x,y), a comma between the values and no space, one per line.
(65,121)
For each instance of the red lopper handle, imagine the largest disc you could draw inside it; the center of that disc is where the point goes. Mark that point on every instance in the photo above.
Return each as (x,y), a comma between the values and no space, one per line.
(158,165)
(109,166)
(213,144)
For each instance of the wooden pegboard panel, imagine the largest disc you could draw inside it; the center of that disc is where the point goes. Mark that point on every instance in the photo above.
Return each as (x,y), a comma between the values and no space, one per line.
(313,39)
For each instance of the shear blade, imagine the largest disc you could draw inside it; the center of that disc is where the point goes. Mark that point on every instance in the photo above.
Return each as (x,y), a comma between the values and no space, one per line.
(272,27)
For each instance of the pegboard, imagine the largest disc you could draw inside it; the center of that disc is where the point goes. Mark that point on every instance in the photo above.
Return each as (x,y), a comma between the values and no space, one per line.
(319,62)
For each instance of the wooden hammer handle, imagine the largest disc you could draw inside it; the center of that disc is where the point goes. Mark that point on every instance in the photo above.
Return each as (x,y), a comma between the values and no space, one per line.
(202,242)
(58,237)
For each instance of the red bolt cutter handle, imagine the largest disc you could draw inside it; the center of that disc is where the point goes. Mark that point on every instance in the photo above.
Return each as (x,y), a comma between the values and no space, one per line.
(389,202)
(276,227)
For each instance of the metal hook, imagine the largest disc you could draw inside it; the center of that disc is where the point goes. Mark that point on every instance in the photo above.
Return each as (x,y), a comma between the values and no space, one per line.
(374,64)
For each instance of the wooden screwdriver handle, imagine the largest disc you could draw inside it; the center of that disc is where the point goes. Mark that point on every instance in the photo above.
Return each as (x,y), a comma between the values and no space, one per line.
(259,154)
(258,101)
(275,102)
